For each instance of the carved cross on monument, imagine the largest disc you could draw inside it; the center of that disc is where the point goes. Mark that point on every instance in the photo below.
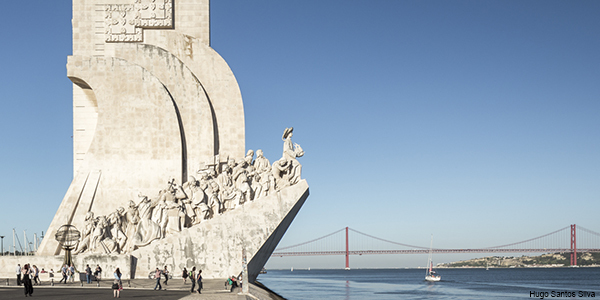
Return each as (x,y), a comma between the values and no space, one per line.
(126,22)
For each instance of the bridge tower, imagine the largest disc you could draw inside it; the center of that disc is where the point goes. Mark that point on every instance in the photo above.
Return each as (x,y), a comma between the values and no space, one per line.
(347,252)
(573,245)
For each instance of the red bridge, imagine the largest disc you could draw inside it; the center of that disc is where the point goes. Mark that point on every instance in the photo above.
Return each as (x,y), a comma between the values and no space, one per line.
(562,240)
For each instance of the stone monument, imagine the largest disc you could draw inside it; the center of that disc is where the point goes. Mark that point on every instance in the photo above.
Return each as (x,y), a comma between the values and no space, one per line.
(161,173)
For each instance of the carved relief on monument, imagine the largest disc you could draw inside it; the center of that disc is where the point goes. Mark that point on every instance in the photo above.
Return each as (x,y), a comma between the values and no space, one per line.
(221,188)
(125,22)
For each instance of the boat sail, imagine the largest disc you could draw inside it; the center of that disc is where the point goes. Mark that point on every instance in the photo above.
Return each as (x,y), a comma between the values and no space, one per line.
(431,275)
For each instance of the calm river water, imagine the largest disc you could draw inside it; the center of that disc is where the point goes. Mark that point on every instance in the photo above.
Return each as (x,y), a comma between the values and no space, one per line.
(530,283)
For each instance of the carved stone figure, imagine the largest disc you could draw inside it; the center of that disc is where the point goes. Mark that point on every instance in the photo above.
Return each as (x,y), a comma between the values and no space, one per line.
(86,235)
(116,231)
(147,230)
(229,193)
(261,164)
(174,210)
(132,219)
(99,233)
(281,170)
(241,178)
(249,157)
(290,152)
(191,190)
(213,198)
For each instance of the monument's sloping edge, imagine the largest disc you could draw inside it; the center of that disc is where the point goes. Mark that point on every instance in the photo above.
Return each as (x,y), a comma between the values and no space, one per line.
(259,259)
(216,245)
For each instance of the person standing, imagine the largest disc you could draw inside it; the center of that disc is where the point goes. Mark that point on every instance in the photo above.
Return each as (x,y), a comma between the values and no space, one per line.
(157,274)
(117,284)
(88,274)
(18,274)
(184,275)
(193,279)
(166,273)
(98,273)
(26,278)
(199,279)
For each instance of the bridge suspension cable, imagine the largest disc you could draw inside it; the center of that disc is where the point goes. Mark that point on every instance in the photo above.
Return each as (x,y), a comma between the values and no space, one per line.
(529,240)
(384,240)
(311,241)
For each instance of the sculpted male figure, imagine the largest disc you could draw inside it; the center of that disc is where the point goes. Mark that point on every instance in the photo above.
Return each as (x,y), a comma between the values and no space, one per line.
(290,152)
(147,230)
(261,163)
(281,172)
(86,235)
(115,220)
(191,191)
(229,193)
(241,177)
(132,219)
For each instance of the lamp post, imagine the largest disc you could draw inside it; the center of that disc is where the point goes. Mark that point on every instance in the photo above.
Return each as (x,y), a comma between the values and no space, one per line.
(2,237)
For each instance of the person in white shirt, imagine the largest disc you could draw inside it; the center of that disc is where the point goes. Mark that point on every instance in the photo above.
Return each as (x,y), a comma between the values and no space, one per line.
(18,274)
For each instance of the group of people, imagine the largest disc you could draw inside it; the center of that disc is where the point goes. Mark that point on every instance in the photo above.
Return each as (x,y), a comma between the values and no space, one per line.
(196,278)
(28,276)
(157,275)
(68,273)
(97,273)
(221,187)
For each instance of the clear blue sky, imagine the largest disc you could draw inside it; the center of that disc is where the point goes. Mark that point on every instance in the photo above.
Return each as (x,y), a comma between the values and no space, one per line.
(475,121)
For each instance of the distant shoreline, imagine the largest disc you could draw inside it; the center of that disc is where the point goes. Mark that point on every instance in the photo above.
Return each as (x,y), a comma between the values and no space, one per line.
(437,267)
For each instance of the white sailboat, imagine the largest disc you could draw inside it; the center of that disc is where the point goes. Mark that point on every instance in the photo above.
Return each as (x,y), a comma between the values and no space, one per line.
(431,275)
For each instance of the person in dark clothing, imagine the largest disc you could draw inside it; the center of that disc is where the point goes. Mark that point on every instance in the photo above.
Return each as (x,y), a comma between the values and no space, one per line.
(19,271)
(166,273)
(199,279)
(184,275)
(26,279)
(193,278)
(88,274)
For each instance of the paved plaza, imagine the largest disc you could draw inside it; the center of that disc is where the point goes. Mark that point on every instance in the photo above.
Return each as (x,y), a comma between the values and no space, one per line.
(214,289)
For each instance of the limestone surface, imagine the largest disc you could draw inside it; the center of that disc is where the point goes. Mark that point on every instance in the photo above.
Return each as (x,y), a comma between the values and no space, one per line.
(161,176)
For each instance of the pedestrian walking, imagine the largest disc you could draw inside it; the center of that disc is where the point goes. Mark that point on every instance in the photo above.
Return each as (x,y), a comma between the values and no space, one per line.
(199,279)
(72,273)
(166,273)
(117,284)
(88,274)
(193,279)
(64,271)
(184,275)
(26,279)
(19,274)
(36,275)
(157,274)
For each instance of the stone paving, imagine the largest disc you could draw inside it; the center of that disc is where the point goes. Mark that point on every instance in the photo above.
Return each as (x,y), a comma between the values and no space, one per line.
(214,289)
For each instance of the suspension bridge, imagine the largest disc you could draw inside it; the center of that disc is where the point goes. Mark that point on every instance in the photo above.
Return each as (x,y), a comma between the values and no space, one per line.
(562,240)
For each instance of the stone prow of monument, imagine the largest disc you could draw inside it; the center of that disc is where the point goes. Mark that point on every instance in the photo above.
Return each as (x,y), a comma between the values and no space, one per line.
(153,106)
